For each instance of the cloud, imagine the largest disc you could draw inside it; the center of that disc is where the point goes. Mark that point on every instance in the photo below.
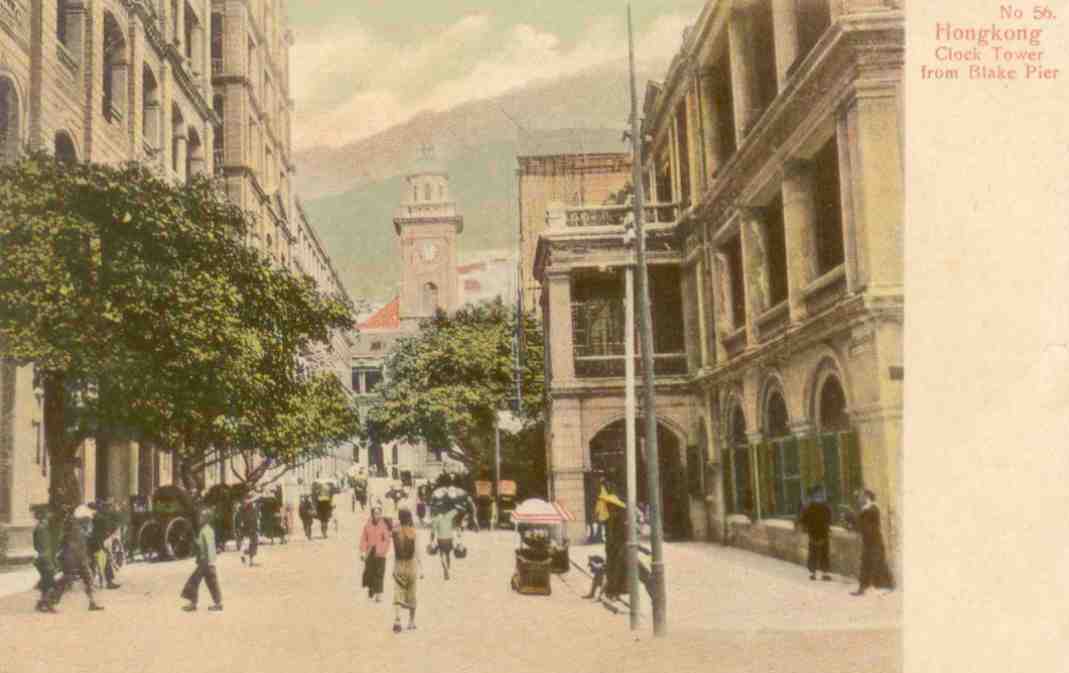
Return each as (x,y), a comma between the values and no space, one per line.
(350,84)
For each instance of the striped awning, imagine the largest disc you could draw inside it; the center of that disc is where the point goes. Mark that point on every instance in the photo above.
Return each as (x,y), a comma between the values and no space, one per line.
(538,511)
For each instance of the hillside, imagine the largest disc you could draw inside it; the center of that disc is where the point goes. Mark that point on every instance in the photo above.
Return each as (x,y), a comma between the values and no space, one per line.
(350,192)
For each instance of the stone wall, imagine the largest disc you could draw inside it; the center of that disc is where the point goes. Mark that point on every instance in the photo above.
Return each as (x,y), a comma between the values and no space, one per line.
(779,539)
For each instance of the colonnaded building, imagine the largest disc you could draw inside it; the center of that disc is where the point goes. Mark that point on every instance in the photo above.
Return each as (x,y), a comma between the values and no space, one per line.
(187,87)
(773,169)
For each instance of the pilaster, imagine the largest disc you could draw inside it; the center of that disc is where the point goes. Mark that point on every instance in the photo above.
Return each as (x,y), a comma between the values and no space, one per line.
(742,70)
(799,219)
(785,29)
(561,354)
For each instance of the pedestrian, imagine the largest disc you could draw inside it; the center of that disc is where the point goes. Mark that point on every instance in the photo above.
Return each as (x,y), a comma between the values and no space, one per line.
(374,545)
(442,536)
(615,543)
(393,498)
(307,513)
(101,532)
(324,506)
(250,528)
(46,556)
(601,515)
(204,547)
(815,520)
(75,558)
(421,507)
(874,570)
(407,569)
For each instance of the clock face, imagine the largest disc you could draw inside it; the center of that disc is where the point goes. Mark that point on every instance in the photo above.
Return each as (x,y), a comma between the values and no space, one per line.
(428,251)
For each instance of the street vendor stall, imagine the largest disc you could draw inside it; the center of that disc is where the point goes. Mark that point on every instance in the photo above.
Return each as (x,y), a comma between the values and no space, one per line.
(543,544)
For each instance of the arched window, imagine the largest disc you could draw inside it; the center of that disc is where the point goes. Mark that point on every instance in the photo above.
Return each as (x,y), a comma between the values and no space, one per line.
(832,406)
(194,155)
(779,466)
(64,147)
(9,122)
(150,109)
(415,192)
(430,298)
(738,477)
(113,83)
(427,192)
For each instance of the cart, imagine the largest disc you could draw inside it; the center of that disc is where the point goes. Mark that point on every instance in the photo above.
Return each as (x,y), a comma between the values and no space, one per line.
(506,495)
(163,524)
(533,564)
(272,522)
(548,520)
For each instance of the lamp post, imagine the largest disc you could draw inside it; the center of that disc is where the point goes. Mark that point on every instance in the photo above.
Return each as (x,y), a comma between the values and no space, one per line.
(657,590)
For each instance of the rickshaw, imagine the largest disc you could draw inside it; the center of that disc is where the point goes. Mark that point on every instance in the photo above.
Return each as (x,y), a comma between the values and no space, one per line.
(225,500)
(272,522)
(163,524)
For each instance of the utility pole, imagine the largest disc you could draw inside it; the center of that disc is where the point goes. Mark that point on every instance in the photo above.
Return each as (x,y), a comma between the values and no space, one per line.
(653,472)
(497,469)
(629,423)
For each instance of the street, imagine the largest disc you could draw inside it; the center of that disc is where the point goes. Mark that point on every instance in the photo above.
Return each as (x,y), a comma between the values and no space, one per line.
(303,609)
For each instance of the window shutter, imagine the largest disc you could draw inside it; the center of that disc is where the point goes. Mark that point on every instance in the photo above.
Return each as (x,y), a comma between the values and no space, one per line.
(808,462)
(851,450)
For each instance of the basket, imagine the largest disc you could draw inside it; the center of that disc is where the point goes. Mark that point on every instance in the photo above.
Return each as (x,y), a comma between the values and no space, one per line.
(460,551)
(432,549)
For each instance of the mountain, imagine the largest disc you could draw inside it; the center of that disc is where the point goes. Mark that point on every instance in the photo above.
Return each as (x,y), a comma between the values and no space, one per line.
(350,192)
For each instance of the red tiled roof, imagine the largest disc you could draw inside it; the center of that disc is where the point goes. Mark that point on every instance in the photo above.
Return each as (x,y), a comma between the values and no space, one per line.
(387,317)
(472,285)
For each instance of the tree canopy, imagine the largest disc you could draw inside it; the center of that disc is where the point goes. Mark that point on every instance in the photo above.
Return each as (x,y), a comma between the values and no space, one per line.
(444,385)
(145,314)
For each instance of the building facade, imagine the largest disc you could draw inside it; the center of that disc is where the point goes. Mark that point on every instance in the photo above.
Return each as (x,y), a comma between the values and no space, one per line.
(187,87)
(582,167)
(777,138)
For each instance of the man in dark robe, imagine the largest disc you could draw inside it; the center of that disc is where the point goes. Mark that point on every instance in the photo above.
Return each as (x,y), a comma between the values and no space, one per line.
(75,558)
(815,520)
(874,569)
(615,544)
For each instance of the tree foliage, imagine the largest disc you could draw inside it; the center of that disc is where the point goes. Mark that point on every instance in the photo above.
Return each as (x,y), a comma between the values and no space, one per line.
(146,315)
(444,385)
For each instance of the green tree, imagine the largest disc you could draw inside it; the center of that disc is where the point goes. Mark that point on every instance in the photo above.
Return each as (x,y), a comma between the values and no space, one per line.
(143,312)
(444,385)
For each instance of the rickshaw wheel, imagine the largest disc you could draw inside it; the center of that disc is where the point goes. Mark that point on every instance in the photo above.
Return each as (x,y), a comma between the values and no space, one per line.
(148,540)
(178,538)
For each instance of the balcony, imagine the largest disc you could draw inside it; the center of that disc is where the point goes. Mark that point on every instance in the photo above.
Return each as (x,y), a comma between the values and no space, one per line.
(617,216)
(598,340)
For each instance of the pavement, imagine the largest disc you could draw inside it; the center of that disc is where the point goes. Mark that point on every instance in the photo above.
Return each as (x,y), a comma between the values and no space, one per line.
(303,609)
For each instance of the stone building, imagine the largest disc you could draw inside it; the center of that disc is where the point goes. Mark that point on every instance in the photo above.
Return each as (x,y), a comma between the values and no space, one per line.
(187,87)
(776,138)
(572,167)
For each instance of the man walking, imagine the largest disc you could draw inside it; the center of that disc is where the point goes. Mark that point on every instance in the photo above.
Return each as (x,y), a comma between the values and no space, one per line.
(815,520)
(75,558)
(204,545)
(308,514)
(46,556)
(442,536)
(250,527)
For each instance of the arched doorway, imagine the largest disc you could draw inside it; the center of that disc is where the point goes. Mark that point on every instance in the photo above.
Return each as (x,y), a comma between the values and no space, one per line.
(607,458)
(430,299)
(64,147)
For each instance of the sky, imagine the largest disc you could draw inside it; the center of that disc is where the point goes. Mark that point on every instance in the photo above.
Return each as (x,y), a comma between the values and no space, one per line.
(361,66)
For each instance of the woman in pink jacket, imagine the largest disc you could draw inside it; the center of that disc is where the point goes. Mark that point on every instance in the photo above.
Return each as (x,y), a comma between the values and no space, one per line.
(374,545)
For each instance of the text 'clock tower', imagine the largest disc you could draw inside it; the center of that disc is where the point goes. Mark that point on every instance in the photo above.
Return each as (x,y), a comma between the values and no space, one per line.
(427,223)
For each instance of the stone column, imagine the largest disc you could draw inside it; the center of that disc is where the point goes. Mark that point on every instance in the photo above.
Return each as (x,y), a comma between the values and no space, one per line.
(871,174)
(721,303)
(196,49)
(754,275)
(562,355)
(799,222)
(785,29)
(742,70)
(707,108)
(180,149)
(120,95)
(699,278)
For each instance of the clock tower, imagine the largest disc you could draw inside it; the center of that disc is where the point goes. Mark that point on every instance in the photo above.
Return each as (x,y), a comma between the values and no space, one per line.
(427,223)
